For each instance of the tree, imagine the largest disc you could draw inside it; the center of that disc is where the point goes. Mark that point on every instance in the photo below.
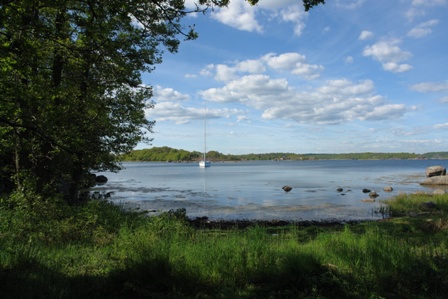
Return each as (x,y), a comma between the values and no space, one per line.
(72,99)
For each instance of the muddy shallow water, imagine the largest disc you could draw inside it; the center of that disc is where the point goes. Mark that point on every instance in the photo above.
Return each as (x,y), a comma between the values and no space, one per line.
(253,190)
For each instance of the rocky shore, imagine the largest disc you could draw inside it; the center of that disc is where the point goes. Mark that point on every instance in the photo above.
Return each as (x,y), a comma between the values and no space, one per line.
(204,223)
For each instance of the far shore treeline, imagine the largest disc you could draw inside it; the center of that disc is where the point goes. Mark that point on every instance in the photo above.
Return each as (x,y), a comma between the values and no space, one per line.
(168,154)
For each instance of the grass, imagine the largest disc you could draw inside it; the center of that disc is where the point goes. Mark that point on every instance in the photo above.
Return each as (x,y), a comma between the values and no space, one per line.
(98,250)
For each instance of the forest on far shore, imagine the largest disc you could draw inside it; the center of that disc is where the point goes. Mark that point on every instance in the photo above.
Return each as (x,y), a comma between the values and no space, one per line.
(168,154)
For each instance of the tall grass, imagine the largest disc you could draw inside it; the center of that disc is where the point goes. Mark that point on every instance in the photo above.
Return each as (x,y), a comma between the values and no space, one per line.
(99,250)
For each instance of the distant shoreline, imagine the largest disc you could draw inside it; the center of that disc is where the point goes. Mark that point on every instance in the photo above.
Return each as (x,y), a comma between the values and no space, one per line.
(167,154)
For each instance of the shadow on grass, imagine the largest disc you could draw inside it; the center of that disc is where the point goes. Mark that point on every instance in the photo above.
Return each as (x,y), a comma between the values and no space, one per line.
(151,279)
(300,276)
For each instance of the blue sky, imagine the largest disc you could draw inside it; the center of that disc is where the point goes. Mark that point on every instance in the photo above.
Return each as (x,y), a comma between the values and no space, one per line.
(347,76)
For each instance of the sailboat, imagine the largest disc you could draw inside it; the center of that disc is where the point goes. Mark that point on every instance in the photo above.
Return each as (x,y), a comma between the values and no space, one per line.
(204,163)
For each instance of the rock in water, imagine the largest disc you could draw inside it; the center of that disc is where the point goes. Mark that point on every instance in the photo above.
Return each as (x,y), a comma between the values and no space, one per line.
(101,179)
(373,194)
(436,180)
(287,188)
(368,200)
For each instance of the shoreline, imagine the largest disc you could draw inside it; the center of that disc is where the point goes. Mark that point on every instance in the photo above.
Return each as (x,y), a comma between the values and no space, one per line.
(204,223)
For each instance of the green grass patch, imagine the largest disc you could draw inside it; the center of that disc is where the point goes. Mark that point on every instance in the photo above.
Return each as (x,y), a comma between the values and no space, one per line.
(99,250)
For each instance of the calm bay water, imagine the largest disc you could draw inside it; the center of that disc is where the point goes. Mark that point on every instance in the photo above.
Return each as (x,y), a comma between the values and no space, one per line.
(253,190)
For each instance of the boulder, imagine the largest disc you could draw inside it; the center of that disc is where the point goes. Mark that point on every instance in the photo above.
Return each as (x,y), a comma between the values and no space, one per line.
(368,200)
(373,194)
(435,171)
(287,188)
(101,179)
(339,189)
(439,192)
(388,189)
(365,190)
(436,180)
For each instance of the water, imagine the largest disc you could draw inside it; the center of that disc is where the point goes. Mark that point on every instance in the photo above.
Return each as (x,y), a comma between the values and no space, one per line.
(253,190)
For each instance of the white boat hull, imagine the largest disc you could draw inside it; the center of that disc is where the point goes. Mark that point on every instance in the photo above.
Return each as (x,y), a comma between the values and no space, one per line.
(204,164)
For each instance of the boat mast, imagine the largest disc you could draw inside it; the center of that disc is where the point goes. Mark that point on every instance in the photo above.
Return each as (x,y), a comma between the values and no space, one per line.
(205,131)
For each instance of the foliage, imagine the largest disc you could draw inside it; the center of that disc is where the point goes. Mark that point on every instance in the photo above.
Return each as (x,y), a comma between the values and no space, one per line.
(70,79)
(169,154)
(161,154)
(436,155)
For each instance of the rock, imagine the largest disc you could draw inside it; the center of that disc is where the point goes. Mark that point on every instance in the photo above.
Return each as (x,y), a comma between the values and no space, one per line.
(365,190)
(287,188)
(339,189)
(373,194)
(439,191)
(89,180)
(101,179)
(420,192)
(368,200)
(435,171)
(388,189)
(436,180)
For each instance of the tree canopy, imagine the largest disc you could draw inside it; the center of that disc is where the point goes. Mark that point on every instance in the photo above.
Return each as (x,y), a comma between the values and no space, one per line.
(72,98)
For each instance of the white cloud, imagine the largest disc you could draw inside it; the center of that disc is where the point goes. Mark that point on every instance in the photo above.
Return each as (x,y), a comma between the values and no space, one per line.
(429,2)
(254,90)
(444,100)
(296,15)
(251,66)
(389,54)
(275,4)
(414,12)
(418,7)
(168,94)
(365,34)
(175,112)
(241,15)
(349,59)
(422,29)
(391,111)
(345,87)
(337,101)
(207,71)
(293,62)
(349,4)
(238,14)
(224,73)
(441,126)
(169,111)
(431,86)
(396,68)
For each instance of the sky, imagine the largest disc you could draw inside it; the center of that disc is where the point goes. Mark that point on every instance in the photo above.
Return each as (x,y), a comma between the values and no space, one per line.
(349,76)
